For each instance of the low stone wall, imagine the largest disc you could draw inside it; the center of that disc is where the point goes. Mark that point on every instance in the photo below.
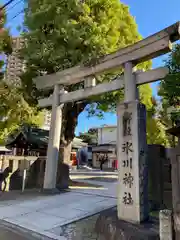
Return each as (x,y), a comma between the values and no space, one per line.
(35,172)
(35,175)
(106,226)
(83,229)
(159,171)
(109,227)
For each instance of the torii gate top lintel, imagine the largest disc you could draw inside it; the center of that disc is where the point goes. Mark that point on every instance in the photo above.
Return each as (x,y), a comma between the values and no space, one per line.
(146,49)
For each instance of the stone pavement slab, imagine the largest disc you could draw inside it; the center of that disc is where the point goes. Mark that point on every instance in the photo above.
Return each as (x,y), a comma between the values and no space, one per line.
(43,214)
(46,213)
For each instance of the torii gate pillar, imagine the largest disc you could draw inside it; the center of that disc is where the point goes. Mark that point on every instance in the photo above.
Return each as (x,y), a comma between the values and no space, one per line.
(54,142)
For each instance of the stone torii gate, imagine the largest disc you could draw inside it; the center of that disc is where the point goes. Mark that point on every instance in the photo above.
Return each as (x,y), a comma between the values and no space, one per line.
(131,137)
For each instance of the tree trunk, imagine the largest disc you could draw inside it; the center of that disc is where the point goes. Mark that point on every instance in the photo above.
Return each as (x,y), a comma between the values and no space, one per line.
(69,123)
(65,153)
(63,166)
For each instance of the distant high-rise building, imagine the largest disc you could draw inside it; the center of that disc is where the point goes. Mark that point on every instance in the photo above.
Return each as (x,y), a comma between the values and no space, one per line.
(15,66)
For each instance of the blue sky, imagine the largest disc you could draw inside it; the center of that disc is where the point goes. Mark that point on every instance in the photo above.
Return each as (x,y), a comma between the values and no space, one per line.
(151,16)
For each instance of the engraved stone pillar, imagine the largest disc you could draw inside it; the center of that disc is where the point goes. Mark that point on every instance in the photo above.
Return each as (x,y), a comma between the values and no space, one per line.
(165,225)
(132,154)
(132,162)
(54,142)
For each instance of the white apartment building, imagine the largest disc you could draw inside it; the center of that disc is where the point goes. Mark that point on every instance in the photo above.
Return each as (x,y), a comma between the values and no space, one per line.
(14,66)
(107,138)
(107,134)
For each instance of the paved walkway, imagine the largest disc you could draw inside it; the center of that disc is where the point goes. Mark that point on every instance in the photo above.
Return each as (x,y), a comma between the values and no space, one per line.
(45,213)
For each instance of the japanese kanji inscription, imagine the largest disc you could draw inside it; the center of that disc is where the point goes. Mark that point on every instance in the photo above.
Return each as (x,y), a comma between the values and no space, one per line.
(132,155)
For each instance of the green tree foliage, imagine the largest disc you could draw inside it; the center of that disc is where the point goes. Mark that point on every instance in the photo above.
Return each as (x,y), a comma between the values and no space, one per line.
(14,110)
(156,131)
(62,34)
(5,42)
(91,137)
(169,91)
(170,87)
